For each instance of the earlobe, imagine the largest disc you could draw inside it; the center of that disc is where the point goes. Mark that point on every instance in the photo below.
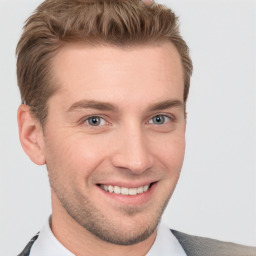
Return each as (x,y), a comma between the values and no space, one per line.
(31,135)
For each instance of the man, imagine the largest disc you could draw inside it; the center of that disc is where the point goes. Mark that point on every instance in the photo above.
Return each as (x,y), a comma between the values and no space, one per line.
(104,86)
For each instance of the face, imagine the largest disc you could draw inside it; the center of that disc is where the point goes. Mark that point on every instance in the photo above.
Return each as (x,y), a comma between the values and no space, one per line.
(114,138)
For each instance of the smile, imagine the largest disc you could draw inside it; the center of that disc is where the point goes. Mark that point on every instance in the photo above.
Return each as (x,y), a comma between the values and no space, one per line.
(124,190)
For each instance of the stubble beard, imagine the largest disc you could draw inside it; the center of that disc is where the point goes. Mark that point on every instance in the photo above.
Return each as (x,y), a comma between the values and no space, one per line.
(86,214)
(111,229)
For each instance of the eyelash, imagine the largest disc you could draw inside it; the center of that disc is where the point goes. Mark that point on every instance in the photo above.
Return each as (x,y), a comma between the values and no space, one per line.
(171,118)
(166,116)
(86,120)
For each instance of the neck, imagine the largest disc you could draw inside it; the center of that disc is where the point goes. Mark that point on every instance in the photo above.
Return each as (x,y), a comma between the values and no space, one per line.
(81,242)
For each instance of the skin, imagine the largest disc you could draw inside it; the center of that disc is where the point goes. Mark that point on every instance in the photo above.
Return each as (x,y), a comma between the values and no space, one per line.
(127,147)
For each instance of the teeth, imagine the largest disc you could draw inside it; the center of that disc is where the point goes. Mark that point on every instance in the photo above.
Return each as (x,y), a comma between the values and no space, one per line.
(132,191)
(109,189)
(140,190)
(145,188)
(117,190)
(125,191)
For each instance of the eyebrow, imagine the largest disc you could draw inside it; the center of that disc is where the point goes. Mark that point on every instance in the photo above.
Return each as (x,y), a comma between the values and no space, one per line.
(105,106)
(166,104)
(92,104)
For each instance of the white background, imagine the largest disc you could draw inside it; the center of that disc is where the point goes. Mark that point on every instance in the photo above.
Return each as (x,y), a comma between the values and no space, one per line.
(216,194)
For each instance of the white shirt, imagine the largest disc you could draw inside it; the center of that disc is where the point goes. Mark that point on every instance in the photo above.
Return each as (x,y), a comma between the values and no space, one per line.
(48,245)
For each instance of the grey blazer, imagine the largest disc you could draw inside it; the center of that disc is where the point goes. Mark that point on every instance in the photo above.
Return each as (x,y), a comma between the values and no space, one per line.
(193,246)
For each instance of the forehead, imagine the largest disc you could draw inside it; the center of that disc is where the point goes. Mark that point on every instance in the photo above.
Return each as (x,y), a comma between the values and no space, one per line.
(106,72)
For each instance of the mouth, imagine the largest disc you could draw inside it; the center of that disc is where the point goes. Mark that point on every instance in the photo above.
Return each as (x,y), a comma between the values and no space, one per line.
(139,195)
(125,190)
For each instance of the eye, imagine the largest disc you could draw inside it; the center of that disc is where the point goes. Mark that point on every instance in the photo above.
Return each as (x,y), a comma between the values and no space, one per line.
(95,121)
(159,119)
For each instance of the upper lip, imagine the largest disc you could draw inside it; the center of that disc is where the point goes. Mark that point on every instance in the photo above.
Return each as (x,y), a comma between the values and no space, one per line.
(132,184)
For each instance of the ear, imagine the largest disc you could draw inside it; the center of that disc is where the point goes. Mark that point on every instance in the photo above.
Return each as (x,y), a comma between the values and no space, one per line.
(31,135)
(186,115)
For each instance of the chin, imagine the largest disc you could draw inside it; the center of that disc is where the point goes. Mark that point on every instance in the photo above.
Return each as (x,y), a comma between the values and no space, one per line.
(123,234)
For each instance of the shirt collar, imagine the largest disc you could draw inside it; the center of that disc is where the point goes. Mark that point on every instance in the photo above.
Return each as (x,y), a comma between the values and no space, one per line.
(47,244)
(166,243)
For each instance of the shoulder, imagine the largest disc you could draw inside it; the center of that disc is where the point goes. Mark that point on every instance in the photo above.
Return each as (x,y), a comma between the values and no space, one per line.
(27,249)
(201,246)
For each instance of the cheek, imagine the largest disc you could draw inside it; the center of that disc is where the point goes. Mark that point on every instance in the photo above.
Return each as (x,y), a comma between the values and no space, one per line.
(73,156)
(172,158)
(171,152)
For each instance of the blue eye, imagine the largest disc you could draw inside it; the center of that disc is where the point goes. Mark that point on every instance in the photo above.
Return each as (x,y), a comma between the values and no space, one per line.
(95,121)
(159,119)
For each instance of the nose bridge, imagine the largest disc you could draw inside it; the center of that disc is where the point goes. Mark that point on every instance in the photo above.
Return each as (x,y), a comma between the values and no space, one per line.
(132,150)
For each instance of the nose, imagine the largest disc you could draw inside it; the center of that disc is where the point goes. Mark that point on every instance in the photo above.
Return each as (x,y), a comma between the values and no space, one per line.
(132,151)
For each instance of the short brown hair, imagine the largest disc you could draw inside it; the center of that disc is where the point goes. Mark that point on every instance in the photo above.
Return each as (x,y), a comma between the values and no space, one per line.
(118,22)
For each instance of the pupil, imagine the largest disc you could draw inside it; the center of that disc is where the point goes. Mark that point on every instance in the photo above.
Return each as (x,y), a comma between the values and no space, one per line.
(159,120)
(94,121)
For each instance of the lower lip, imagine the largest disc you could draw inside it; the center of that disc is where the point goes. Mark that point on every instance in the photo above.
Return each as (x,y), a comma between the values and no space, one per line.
(131,200)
